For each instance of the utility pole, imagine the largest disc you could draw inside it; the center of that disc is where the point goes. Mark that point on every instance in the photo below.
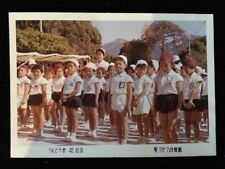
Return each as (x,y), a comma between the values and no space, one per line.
(41,29)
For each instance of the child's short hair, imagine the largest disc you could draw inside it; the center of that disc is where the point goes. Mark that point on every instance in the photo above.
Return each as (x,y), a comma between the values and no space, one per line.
(37,67)
(190,62)
(49,70)
(25,67)
(58,65)
(100,69)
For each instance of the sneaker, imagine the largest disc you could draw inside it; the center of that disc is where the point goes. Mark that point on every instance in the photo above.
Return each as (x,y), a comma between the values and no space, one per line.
(94,134)
(40,133)
(48,123)
(123,141)
(34,134)
(67,138)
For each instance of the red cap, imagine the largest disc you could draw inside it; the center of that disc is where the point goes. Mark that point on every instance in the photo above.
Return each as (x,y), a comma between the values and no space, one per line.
(58,65)
(166,56)
(100,69)
(49,70)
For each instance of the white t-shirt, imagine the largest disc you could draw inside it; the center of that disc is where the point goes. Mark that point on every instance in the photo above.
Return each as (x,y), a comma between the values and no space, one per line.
(139,84)
(189,84)
(103,64)
(118,89)
(205,87)
(108,83)
(89,85)
(58,83)
(21,82)
(36,85)
(101,83)
(166,83)
(70,83)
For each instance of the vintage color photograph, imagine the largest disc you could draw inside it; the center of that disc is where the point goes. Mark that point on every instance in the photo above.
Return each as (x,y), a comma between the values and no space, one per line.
(112,85)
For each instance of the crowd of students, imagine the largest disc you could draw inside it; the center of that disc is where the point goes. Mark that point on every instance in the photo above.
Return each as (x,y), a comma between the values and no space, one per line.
(153,95)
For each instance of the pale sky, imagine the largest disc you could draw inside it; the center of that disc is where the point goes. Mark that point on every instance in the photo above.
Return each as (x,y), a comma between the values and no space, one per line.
(129,30)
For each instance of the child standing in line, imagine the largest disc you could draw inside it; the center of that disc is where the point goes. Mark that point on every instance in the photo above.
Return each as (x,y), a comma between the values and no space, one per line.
(153,66)
(23,93)
(192,102)
(141,102)
(100,73)
(71,98)
(121,91)
(111,73)
(90,97)
(48,74)
(204,99)
(37,99)
(168,98)
(57,84)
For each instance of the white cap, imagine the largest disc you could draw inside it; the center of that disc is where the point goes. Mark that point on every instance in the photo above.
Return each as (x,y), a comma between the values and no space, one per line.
(203,72)
(198,69)
(123,57)
(101,49)
(177,66)
(155,64)
(176,58)
(91,66)
(73,60)
(141,62)
(112,64)
(31,62)
(133,66)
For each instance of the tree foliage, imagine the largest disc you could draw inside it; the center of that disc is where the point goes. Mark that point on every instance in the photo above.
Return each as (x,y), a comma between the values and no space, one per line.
(30,40)
(81,36)
(135,50)
(197,50)
(163,33)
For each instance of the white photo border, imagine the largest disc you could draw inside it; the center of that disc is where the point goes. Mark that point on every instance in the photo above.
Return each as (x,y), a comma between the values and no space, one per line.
(200,149)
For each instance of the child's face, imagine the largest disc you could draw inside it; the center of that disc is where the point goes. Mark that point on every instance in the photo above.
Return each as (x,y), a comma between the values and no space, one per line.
(150,70)
(165,66)
(141,71)
(36,73)
(130,72)
(111,71)
(72,68)
(120,65)
(89,72)
(99,56)
(59,72)
(22,72)
(188,70)
(100,74)
(48,75)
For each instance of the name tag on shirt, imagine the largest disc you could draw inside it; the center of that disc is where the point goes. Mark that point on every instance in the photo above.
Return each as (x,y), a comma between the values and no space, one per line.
(122,85)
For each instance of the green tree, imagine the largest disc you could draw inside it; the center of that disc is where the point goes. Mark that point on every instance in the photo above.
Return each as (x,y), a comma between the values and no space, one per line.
(135,50)
(82,36)
(31,40)
(197,50)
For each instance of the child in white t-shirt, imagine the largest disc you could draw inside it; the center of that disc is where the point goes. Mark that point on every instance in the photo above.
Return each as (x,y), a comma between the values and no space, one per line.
(71,98)
(37,99)
(48,74)
(23,94)
(168,97)
(100,73)
(90,97)
(141,102)
(192,102)
(121,91)
(58,120)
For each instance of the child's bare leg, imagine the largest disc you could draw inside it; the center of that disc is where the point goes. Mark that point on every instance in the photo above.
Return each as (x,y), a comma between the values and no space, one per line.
(163,118)
(172,122)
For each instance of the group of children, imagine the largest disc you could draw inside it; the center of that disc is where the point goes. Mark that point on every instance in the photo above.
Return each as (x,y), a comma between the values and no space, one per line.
(152,94)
